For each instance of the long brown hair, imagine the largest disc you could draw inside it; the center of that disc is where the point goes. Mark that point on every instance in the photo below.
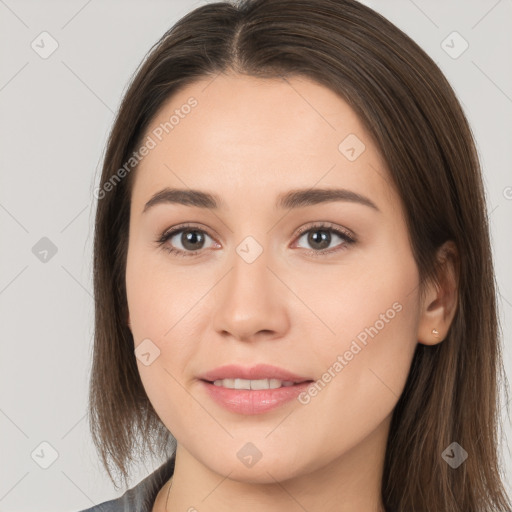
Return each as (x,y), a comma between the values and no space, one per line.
(411,111)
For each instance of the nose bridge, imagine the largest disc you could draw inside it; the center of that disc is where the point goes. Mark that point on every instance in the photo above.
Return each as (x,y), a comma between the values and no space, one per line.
(249,261)
(250,300)
(249,282)
(250,268)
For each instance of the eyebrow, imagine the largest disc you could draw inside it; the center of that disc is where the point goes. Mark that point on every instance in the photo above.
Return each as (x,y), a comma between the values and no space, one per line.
(297,198)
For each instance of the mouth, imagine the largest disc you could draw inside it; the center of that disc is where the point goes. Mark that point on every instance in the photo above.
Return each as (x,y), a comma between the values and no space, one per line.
(250,397)
(255,384)
(252,390)
(261,376)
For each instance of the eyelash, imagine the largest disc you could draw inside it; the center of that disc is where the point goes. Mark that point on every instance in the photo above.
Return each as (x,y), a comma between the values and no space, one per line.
(346,236)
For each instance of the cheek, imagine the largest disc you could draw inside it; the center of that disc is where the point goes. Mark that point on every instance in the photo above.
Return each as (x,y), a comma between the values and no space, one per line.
(158,305)
(158,295)
(165,311)
(375,318)
(371,298)
(366,374)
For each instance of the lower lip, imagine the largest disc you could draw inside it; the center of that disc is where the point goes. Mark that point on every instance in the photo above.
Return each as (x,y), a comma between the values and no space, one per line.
(245,401)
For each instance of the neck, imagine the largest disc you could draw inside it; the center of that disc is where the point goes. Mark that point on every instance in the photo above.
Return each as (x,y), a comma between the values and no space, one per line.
(347,482)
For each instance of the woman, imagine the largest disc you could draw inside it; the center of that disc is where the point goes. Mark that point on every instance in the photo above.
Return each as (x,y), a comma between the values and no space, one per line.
(295,300)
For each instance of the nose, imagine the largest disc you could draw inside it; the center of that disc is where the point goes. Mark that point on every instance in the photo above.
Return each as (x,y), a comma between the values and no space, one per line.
(251,302)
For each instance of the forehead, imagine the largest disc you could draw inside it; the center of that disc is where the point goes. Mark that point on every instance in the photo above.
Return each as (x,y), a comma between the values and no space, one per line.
(231,132)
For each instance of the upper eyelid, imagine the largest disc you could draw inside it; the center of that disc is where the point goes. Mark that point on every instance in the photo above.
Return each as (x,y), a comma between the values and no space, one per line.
(188,227)
(328,226)
(300,231)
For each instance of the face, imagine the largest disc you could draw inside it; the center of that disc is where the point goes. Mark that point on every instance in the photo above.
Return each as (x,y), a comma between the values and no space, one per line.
(323,286)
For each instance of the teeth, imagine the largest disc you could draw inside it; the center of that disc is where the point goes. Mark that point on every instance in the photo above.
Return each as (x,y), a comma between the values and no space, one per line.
(252,384)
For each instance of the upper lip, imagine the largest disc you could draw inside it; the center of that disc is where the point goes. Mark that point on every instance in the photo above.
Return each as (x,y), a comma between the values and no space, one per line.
(260,371)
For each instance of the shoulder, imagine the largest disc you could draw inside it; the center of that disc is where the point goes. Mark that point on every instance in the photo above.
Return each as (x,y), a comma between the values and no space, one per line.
(141,497)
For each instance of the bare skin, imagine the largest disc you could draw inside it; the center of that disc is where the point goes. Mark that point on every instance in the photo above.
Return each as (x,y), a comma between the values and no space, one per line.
(248,141)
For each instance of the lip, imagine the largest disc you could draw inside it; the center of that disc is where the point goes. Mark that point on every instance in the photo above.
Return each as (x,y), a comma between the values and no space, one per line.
(250,402)
(260,371)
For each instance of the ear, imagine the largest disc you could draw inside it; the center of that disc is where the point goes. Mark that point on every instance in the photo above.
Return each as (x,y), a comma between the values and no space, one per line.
(439,302)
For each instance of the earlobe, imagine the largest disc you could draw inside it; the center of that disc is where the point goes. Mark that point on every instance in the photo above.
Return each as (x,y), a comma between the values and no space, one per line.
(440,299)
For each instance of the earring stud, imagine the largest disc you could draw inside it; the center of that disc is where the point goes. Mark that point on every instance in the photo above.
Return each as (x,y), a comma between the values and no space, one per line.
(435,332)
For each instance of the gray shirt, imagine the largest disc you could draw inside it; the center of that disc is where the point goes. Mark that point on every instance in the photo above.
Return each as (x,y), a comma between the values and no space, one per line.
(140,498)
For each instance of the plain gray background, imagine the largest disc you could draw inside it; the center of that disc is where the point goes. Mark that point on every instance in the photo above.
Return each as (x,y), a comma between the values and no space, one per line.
(56,114)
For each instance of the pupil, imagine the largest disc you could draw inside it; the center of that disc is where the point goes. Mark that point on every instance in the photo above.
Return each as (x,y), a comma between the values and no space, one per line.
(189,239)
(322,241)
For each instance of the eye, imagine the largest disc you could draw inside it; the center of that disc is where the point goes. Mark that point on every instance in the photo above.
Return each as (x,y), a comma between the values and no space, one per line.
(184,240)
(190,240)
(321,236)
